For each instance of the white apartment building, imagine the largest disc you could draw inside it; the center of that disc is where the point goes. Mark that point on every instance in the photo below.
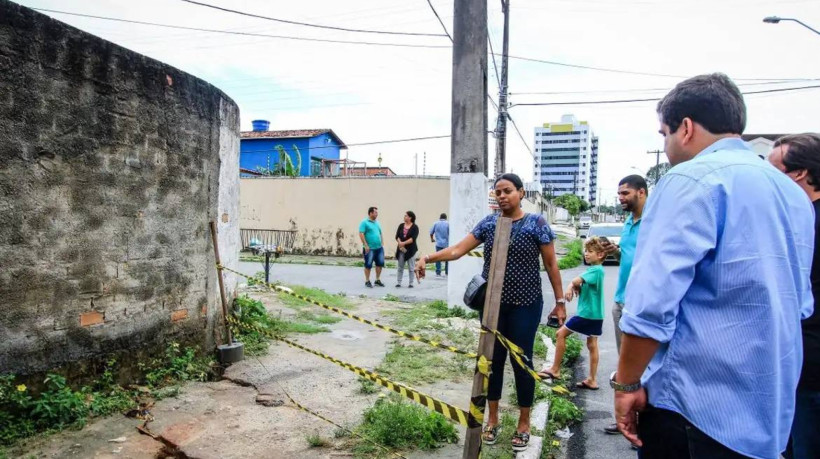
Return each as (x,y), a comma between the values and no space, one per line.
(566,159)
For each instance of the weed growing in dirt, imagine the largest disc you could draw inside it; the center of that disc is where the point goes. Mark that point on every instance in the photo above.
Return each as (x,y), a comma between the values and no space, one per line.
(563,412)
(394,423)
(418,364)
(25,412)
(443,311)
(391,297)
(367,387)
(310,329)
(574,255)
(317,441)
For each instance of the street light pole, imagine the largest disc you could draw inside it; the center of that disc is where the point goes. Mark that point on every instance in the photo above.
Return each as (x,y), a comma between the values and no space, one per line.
(775,20)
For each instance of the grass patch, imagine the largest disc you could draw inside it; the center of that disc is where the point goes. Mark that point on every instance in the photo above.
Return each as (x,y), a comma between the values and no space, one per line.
(25,412)
(310,329)
(391,297)
(326,319)
(413,363)
(336,300)
(574,256)
(317,441)
(397,424)
(367,387)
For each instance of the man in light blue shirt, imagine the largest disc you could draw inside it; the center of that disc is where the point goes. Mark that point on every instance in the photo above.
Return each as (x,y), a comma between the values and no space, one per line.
(718,287)
(440,236)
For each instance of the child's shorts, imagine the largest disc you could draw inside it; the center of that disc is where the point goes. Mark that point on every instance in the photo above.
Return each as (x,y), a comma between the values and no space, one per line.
(589,327)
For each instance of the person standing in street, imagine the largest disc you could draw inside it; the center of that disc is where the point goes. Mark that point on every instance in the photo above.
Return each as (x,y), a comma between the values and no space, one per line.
(370,232)
(798,156)
(632,193)
(711,347)
(406,247)
(440,236)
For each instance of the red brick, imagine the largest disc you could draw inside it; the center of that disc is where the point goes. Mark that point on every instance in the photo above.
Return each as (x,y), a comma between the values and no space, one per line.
(91,318)
(179,314)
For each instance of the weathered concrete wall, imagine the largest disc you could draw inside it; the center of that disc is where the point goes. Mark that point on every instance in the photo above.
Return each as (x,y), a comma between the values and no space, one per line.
(327,212)
(110,169)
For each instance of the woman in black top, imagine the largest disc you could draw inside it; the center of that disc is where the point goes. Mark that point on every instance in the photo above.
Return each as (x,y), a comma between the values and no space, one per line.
(522,302)
(406,235)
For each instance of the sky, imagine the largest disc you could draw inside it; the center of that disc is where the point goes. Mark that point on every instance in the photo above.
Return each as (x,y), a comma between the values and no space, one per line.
(368,93)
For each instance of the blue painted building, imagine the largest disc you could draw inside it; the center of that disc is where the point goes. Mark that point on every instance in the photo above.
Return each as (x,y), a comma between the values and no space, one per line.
(258,148)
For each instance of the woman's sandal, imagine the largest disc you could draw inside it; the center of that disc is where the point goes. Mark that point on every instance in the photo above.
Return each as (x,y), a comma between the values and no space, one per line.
(523,441)
(489,435)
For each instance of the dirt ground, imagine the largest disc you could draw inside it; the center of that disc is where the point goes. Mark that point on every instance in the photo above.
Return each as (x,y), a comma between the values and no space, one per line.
(223,419)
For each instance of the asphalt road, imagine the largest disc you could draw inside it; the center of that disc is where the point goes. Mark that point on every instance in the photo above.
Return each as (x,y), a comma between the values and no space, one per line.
(588,440)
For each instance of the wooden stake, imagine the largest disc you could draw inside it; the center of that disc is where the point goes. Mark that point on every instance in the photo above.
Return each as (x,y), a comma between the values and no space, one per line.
(221,284)
(486,343)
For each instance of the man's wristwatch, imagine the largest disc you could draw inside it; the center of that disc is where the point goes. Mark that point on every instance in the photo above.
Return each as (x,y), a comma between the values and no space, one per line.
(634,387)
(560,301)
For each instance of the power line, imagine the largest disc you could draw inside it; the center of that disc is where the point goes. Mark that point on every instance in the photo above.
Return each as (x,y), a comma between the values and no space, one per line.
(249,34)
(601,91)
(631,72)
(654,99)
(521,136)
(440,21)
(306,24)
(495,66)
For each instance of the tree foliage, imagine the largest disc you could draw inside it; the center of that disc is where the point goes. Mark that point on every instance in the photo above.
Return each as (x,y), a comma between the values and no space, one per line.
(572,203)
(655,173)
(284,166)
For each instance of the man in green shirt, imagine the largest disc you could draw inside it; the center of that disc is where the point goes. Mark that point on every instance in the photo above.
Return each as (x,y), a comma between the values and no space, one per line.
(370,232)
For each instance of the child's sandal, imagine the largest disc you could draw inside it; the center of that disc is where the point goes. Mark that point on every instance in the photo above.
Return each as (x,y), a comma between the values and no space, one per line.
(520,441)
(489,435)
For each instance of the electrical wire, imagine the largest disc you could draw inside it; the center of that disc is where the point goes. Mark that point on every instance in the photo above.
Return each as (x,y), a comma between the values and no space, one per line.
(631,72)
(602,91)
(440,21)
(306,24)
(654,99)
(249,34)
(521,136)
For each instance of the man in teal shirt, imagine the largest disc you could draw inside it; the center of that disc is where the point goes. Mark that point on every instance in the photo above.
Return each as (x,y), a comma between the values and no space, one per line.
(632,193)
(370,232)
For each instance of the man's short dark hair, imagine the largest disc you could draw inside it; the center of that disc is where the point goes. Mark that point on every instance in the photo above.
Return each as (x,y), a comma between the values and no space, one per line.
(713,101)
(803,153)
(442,217)
(636,182)
(371,209)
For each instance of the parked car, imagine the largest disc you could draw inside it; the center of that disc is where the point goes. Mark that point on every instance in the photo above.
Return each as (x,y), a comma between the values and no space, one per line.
(584,221)
(612,231)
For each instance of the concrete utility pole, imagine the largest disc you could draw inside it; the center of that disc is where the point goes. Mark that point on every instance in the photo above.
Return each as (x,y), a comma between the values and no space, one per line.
(501,125)
(657,154)
(469,191)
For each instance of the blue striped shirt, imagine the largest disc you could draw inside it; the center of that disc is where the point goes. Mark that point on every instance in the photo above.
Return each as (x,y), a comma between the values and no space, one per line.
(721,280)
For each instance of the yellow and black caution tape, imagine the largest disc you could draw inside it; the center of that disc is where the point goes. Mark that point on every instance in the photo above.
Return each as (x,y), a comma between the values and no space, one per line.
(309,411)
(403,334)
(448,411)
(475,253)
(479,402)
(518,356)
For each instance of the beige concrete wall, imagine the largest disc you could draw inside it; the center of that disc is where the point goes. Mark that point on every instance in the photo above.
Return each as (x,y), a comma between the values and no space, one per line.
(326,212)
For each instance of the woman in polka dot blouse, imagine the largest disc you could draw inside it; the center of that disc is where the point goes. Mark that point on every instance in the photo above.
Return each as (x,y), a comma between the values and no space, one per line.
(522,300)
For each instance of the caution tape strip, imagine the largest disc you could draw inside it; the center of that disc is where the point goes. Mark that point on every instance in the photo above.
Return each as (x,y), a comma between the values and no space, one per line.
(448,411)
(403,334)
(518,356)
(309,411)
(475,253)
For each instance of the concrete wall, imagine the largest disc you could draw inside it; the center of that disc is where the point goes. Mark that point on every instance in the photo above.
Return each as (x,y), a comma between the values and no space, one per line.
(111,166)
(327,211)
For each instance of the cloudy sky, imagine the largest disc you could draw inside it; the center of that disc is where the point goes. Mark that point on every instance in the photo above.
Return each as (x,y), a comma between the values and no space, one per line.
(368,93)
